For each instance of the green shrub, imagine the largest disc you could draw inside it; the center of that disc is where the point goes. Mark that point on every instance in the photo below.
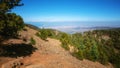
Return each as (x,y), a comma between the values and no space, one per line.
(32,41)
(44,33)
(78,55)
(115,60)
(65,45)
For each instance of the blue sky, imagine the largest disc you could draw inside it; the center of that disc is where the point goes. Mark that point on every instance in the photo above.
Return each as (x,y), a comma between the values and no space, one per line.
(69,10)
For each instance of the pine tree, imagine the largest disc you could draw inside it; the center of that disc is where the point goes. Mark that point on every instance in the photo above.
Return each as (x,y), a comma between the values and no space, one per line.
(10,23)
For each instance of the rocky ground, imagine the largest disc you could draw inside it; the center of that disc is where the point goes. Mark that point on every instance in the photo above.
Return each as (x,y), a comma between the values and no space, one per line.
(49,54)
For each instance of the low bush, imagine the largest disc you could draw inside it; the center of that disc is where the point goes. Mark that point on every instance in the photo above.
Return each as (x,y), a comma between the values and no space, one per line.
(32,41)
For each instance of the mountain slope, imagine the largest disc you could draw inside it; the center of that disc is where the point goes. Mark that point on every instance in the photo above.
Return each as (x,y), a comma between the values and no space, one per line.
(49,54)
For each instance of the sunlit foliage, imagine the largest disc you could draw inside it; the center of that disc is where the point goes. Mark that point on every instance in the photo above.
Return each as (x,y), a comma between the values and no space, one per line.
(98,45)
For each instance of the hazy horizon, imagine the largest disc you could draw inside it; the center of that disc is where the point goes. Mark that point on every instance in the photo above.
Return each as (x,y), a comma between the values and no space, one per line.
(71,13)
(73,27)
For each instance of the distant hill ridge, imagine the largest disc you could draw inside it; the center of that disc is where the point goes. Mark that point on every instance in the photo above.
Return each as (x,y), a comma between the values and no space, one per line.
(32,26)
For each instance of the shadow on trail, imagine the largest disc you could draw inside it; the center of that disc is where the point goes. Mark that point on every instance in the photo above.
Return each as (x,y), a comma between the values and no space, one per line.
(16,50)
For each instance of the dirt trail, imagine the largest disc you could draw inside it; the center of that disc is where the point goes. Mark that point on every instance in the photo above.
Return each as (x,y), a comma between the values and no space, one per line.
(51,55)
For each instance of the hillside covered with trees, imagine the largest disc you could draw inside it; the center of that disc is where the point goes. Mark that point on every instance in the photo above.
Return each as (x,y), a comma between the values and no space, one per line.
(98,45)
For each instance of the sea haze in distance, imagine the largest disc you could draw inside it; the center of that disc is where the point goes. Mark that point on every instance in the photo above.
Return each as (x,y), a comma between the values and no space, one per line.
(71,16)
(76,27)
